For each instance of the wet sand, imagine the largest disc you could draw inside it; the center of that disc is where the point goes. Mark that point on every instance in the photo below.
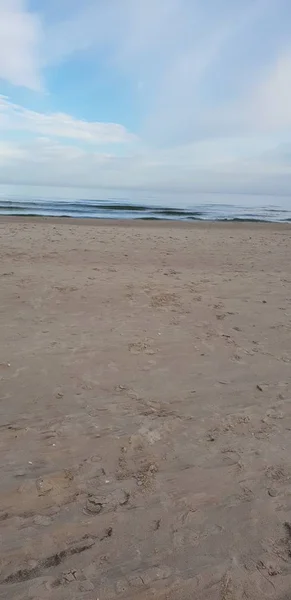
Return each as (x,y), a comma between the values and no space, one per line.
(145,411)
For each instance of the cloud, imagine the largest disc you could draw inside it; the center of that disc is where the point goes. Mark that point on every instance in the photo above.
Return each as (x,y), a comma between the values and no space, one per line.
(209,82)
(20,35)
(189,169)
(193,58)
(188,103)
(15,117)
(9,153)
(271,99)
(198,61)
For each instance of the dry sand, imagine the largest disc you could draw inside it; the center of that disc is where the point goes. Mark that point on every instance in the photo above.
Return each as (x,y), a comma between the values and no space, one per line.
(145,439)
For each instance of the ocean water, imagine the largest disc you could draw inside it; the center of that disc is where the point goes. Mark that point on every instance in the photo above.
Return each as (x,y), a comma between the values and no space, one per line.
(146,209)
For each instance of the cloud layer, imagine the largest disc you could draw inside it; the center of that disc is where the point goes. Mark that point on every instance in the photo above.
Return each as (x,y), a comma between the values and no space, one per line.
(20,40)
(210,82)
(15,117)
(195,168)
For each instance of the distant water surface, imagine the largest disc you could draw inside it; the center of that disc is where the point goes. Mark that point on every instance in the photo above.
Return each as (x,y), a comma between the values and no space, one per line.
(125,209)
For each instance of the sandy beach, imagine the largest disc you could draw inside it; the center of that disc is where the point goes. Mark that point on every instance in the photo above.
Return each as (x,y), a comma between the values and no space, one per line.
(145,410)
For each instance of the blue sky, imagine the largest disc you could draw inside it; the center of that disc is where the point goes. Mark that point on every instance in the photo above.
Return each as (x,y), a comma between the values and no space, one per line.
(156,95)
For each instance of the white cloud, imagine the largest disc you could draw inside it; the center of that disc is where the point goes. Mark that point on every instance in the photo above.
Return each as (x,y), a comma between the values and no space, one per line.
(271,100)
(20,35)
(195,168)
(15,117)
(176,48)
(210,86)
(9,153)
(184,103)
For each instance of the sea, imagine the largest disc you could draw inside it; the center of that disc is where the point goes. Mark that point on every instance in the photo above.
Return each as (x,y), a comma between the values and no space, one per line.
(196,207)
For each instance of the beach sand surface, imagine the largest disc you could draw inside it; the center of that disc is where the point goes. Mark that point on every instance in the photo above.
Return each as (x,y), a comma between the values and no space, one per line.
(145,411)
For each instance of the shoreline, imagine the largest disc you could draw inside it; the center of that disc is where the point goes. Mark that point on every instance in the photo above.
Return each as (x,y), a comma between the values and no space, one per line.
(144,223)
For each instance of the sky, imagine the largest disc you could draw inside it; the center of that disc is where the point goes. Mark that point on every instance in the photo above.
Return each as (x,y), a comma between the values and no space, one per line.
(154,96)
